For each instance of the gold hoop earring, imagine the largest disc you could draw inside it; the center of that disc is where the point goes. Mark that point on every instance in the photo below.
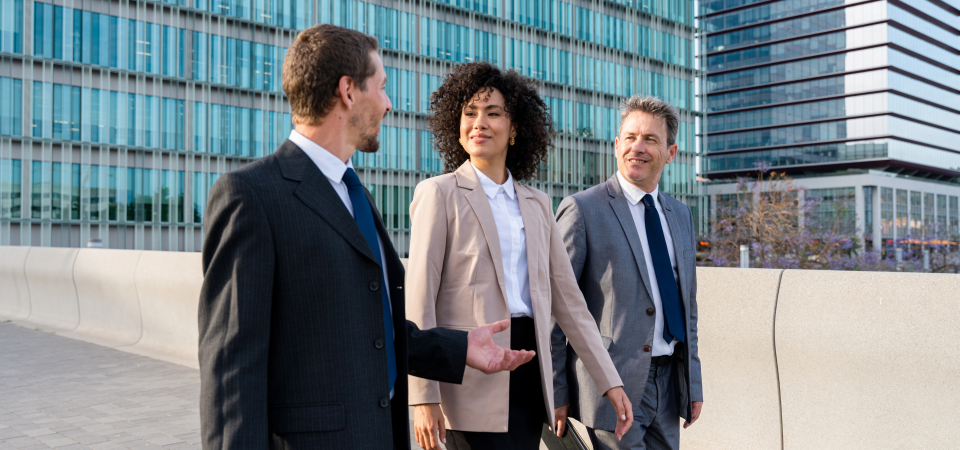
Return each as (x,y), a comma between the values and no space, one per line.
(512,141)
(461,141)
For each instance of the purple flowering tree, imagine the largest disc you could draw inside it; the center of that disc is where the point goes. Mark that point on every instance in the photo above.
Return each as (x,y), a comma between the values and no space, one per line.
(787,230)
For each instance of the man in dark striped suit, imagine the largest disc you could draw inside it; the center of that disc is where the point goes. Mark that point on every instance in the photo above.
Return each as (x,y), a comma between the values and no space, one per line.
(303,336)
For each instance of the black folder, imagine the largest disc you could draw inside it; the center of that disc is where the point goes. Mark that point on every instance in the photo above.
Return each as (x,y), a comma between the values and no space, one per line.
(571,440)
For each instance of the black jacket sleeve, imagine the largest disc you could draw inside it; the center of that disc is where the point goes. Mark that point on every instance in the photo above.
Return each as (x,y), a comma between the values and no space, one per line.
(437,354)
(234,318)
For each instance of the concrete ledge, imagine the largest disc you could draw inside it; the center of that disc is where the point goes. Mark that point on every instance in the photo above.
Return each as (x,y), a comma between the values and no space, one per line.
(169,285)
(15,298)
(856,359)
(107,294)
(741,410)
(53,296)
(867,360)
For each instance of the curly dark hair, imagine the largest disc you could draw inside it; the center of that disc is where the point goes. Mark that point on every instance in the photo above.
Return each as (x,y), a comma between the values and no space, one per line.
(523,107)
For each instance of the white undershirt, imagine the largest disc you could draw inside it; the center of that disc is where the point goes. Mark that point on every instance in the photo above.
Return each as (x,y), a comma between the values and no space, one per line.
(634,196)
(513,242)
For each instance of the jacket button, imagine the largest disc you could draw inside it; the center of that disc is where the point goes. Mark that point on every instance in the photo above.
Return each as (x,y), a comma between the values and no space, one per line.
(646,348)
(378,343)
(384,402)
(374,285)
(649,311)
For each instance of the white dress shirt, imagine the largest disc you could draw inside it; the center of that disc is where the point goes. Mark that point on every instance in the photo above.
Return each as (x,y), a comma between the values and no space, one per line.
(513,242)
(634,195)
(333,169)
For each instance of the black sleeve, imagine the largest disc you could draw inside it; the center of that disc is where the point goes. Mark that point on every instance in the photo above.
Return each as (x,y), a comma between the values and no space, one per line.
(437,354)
(234,318)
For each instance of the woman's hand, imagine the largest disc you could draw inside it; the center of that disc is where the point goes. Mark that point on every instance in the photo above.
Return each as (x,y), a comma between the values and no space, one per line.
(428,426)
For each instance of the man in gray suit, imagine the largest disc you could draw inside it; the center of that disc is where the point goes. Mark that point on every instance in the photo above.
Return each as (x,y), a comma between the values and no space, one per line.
(303,338)
(633,252)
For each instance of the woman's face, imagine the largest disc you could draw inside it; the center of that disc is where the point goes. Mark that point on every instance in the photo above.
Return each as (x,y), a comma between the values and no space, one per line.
(485,129)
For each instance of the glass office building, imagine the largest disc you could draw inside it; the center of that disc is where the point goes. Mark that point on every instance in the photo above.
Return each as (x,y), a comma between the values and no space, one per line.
(860,98)
(119,115)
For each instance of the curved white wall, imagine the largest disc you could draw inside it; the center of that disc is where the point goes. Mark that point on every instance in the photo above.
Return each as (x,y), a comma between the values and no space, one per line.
(827,360)
(53,295)
(138,301)
(15,298)
(107,294)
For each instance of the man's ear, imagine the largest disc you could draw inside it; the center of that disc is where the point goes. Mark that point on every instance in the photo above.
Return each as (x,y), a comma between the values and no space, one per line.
(346,91)
(673,153)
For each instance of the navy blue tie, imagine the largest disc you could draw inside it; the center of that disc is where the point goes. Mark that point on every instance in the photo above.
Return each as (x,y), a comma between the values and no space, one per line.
(669,294)
(363,214)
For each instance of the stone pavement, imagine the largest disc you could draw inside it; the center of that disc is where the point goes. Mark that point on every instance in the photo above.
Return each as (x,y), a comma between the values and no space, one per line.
(67,394)
(57,392)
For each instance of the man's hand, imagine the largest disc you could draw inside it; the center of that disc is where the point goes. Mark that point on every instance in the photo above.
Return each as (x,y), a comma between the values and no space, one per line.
(428,426)
(696,406)
(486,356)
(561,424)
(623,407)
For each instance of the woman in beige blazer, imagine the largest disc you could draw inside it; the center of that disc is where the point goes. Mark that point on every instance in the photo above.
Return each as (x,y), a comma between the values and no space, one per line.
(485,247)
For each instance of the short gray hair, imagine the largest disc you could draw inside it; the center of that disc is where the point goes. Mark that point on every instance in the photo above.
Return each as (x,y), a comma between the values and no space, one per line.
(655,107)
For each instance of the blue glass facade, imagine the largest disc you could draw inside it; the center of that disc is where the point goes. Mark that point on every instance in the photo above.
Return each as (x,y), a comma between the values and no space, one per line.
(826,88)
(120,116)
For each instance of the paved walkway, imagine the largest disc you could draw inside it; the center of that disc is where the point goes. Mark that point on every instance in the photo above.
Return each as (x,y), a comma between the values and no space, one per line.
(67,394)
(57,392)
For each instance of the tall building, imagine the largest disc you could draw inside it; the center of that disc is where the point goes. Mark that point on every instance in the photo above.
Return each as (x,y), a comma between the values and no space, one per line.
(858,100)
(120,115)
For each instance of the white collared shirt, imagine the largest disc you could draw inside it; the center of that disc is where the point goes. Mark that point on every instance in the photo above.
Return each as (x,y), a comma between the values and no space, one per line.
(333,169)
(634,196)
(513,242)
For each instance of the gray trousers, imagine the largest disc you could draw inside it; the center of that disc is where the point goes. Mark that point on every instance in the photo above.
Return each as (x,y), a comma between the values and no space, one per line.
(656,420)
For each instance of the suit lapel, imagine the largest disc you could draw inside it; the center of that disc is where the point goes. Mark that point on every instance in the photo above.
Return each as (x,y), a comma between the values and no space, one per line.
(622,210)
(530,212)
(317,194)
(467,179)
(678,235)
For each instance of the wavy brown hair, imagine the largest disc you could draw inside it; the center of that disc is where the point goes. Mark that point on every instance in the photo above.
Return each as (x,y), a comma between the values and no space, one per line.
(523,107)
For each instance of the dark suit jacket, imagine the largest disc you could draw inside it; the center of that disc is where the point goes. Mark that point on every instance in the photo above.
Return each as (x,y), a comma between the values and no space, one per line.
(291,318)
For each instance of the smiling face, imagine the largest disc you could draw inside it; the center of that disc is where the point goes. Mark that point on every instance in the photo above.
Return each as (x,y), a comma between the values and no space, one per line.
(642,150)
(485,129)
(371,105)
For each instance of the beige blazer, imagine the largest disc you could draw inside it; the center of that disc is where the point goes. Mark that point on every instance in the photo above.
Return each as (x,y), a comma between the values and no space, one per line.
(455,280)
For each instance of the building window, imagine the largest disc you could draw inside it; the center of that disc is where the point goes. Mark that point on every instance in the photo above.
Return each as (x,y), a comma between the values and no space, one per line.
(886,213)
(903,229)
(954,217)
(868,213)
(835,211)
(916,221)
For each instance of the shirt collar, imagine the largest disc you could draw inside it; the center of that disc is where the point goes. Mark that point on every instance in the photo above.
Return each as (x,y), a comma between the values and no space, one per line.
(330,165)
(491,188)
(634,194)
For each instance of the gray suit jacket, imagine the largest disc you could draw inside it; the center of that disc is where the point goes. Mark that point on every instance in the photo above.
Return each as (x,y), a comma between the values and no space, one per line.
(291,318)
(607,258)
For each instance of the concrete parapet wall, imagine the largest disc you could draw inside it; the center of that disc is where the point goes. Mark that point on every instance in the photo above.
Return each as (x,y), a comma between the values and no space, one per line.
(53,294)
(792,360)
(867,360)
(14,292)
(138,301)
(169,288)
(736,309)
(107,294)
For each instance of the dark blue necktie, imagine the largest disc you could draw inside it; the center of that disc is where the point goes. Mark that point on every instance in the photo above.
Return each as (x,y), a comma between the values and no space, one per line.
(363,214)
(669,295)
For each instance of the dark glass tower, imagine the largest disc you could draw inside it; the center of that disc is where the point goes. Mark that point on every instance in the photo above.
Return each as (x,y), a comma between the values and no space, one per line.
(828,90)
